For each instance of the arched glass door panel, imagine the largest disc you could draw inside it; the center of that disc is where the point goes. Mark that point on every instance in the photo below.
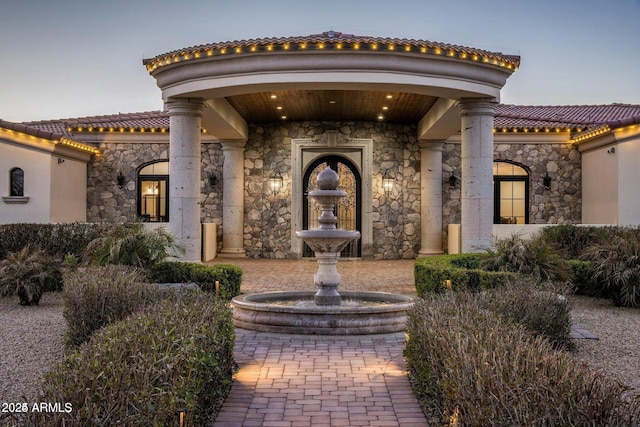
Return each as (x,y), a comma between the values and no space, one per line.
(348,209)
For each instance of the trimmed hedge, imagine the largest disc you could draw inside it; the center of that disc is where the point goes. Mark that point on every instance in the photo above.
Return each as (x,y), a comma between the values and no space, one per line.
(55,240)
(97,296)
(175,355)
(431,274)
(469,367)
(229,276)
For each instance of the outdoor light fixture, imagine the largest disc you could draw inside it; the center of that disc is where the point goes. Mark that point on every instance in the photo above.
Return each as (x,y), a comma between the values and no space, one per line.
(120,179)
(275,181)
(181,415)
(546,181)
(213,180)
(453,180)
(387,183)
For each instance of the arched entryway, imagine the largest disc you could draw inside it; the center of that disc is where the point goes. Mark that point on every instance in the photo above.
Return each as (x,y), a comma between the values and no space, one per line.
(348,210)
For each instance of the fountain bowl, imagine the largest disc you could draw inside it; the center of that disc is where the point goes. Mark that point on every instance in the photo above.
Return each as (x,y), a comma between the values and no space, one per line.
(360,313)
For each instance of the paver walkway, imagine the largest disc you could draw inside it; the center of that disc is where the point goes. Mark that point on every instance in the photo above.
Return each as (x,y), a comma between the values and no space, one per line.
(315,380)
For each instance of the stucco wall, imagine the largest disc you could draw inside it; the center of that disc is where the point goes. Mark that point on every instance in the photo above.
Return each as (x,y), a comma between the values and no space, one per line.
(628,152)
(68,190)
(37,182)
(600,186)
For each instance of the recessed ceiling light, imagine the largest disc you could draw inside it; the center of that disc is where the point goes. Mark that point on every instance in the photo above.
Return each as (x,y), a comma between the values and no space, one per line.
(380,117)
(274,96)
(279,107)
(284,117)
(385,108)
(389,96)
(332,102)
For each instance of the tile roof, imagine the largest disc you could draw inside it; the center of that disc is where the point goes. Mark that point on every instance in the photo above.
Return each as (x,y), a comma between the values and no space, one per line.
(49,133)
(330,40)
(67,127)
(578,118)
(575,117)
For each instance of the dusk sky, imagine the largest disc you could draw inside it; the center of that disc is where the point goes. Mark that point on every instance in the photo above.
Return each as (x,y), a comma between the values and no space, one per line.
(75,58)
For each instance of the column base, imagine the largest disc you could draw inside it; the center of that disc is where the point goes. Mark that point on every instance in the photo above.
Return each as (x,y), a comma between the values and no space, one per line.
(423,253)
(232,253)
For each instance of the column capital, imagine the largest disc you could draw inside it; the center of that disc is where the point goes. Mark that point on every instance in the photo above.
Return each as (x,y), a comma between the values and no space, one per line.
(478,106)
(432,144)
(185,106)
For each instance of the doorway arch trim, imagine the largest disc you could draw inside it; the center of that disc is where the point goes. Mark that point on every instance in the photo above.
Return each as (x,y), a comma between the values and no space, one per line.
(327,144)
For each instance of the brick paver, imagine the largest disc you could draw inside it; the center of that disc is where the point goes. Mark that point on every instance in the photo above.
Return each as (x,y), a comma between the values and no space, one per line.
(316,380)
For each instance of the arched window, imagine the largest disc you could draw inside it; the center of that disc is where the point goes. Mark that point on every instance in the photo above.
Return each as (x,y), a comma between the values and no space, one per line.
(510,193)
(153,192)
(16,182)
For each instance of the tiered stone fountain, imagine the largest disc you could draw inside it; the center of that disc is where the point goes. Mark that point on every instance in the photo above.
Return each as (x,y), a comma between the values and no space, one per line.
(326,311)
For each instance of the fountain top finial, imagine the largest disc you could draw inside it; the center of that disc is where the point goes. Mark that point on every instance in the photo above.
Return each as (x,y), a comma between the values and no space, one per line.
(328,179)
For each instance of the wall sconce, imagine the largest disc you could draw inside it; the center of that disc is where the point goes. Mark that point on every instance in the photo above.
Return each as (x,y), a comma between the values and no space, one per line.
(387,183)
(453,180)
(120,179)
(60,160)
(611,150)
(275,181)
(546,181)
(213,180)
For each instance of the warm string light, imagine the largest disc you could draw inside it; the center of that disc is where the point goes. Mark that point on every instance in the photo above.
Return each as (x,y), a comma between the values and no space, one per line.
(322,45)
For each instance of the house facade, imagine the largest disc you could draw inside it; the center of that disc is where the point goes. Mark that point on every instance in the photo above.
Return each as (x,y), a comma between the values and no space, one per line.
(414,129)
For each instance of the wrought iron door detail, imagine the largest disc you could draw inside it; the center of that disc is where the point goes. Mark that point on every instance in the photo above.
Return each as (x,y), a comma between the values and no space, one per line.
(347,210)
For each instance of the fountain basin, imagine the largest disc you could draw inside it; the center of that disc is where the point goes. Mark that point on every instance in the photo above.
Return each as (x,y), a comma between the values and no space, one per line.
(360,313)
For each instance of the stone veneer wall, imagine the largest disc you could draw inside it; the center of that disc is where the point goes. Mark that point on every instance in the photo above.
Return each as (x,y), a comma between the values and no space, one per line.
(107,202)
(560,204)
(396,220)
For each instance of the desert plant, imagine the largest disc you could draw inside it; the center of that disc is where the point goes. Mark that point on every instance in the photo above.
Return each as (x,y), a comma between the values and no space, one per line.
(531,257)
(177,354)
(615,263)
(132,245)
(540,307)
(28,273)
(98,296)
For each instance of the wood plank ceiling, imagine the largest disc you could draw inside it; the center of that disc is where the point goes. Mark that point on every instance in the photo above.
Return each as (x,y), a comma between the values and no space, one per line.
(332,105)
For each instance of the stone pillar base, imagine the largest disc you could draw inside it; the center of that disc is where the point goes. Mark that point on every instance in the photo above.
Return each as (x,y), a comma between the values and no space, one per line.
(423,253)
(232,253)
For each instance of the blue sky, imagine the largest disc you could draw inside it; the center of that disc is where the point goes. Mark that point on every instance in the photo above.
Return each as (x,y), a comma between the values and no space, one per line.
(74,58)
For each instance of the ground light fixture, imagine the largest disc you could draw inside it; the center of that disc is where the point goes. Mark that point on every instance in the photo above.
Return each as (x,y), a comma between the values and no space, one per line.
(275,181)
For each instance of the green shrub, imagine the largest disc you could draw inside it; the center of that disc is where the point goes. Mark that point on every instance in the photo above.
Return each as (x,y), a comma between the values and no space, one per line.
(571,241)
(28,273)
(55,240)
(229,276)
(469,367)
(431,274)
(97,296)
(134,245)
(530,257)
(615,262)
(540,307)
(142,370)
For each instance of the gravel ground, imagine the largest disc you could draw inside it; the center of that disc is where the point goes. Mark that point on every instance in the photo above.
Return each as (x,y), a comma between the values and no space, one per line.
(617,351)
(32,342)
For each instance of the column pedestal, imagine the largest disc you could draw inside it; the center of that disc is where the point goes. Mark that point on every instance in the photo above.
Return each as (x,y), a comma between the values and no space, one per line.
(430,198)
(477,173)
(184,175)
(233,200)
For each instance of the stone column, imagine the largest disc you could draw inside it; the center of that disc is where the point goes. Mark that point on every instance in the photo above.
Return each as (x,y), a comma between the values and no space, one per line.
(233,199)
(477,173)
(430,198)
(184,175)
